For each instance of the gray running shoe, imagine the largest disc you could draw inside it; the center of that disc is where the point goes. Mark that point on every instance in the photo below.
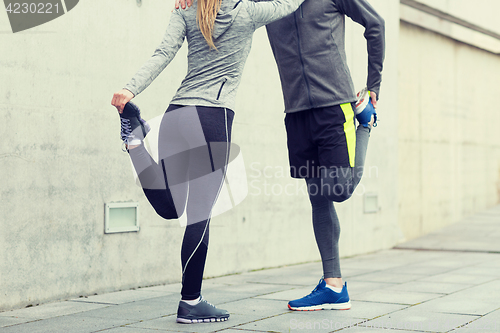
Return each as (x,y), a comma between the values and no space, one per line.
(202,312)
(133,127)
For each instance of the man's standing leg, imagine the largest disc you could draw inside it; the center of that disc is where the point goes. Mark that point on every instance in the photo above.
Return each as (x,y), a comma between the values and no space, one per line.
(330,293)
(335,184)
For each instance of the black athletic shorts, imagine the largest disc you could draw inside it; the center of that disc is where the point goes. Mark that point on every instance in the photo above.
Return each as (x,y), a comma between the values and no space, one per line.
(319,138)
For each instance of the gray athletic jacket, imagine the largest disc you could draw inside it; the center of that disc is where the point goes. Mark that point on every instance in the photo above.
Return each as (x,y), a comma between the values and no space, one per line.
(308,46)
(213,75)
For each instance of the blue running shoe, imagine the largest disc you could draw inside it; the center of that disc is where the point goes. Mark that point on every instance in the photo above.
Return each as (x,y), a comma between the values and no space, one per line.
(322,298)
(365,109)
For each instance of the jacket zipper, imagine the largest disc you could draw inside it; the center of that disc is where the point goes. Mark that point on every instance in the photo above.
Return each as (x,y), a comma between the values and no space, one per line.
(302,61)
(221,86)
(301,12)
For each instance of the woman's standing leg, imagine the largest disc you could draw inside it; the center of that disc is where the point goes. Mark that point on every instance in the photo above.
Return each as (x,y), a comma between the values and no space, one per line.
(204,184)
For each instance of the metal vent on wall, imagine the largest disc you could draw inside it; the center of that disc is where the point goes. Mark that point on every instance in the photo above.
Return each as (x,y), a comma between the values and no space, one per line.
(121,217)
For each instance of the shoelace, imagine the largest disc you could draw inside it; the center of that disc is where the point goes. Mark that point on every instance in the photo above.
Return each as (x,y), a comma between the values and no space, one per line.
(313,293)
(126,128)
(204,300)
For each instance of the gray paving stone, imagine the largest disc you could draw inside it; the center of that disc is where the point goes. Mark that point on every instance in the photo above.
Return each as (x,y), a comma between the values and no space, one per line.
(302,278)
(428,287)
(360,287)
(467,330)
(257,307)
(394,296)
(307,268)
(485,292)
(165,300)
(50,310)
(69,323)
(207,283)
(487,323)
(360,329)
(285,323)
(235,330)
(454,305)
(393,258)
(386,277)
(351,272)
(479,326)
(315,321)
(9,321)
(421,268)
(218,297)
(449,264)
(475,258)
(478,300)
(372,264)
(367,310)
(493,262)
(121,297)
(235,279)
(134,311)
(171,288)
(168,323)
(452,277)
(359,310)
(252,289)
(479,270)
(288,295)
(454,260)
(128,329)
(480,236)
(420,319)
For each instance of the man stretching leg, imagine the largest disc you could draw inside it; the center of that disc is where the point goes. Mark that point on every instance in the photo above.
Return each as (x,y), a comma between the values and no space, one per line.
(324,146)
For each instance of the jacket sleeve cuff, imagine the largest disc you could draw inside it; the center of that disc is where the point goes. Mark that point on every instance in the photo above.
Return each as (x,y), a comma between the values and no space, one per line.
(131,89)
(375,90)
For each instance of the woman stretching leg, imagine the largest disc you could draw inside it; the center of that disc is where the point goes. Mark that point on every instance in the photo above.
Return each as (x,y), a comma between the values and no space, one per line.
(219,34)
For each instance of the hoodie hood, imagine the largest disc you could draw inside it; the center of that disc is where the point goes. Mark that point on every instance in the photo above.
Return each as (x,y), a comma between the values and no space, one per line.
(226,16)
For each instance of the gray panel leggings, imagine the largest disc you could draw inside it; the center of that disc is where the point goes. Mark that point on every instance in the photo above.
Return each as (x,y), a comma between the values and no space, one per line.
(188,178)
(335,185)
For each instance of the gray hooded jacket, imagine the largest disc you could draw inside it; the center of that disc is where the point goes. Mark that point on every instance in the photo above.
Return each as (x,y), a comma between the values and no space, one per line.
(213,75)
(308,46)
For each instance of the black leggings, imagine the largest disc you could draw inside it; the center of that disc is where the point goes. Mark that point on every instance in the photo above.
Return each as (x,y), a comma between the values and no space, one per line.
(193,149)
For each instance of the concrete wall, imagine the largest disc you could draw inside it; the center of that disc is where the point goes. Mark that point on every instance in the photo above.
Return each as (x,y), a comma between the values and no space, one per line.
(449,151)
(61,160)
(482,13)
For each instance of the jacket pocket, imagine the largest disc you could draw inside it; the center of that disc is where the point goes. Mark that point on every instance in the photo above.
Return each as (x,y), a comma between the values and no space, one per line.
(221,86)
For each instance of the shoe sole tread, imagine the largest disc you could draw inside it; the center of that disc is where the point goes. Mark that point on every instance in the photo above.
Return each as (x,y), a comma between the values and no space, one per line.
(201,320)
(340,306)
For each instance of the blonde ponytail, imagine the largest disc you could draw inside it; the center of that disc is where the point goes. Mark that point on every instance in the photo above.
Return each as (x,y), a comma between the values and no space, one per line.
(207,11)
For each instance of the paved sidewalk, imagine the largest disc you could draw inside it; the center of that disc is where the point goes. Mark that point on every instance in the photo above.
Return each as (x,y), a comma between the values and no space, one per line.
(448,281)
